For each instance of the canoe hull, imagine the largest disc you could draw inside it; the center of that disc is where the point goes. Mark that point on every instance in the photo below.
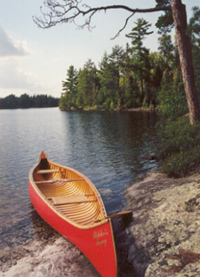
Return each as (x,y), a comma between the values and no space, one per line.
(97,244)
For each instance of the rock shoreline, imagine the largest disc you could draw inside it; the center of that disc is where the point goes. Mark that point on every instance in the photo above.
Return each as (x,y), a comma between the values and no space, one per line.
(166,226)
(163,238)
(56,259)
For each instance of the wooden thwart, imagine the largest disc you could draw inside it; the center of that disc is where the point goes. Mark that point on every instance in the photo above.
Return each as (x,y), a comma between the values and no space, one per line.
(58,180)
(70,199)
(46,171)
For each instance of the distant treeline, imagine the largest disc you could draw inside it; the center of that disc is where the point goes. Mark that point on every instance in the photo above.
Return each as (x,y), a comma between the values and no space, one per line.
(25,101)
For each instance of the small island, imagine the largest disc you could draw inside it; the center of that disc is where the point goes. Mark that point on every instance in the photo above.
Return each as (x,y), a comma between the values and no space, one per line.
(26,101)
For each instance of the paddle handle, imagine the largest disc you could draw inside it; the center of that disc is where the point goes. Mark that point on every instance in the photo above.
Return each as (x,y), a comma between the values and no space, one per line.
(119,213)
(114,215)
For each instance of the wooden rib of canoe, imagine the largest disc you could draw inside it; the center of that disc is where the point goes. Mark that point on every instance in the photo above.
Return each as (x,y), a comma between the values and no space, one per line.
(71,204)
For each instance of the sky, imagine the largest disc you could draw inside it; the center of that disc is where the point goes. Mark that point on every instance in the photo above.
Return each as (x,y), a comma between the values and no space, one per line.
(35,60)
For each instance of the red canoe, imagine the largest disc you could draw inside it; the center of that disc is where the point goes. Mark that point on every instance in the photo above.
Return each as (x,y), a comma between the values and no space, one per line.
(71,204)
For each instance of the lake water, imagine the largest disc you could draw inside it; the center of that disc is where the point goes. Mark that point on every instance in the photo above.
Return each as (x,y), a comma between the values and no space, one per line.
(105,146)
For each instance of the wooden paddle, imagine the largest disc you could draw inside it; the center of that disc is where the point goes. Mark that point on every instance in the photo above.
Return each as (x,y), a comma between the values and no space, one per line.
(114,215)
(119,213)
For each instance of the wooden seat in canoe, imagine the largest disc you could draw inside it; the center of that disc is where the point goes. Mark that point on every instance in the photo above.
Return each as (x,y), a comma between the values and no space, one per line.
(58,180)
(47,171)
(70,199)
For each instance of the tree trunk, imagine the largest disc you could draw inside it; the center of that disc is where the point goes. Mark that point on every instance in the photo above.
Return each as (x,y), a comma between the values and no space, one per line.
(185,54)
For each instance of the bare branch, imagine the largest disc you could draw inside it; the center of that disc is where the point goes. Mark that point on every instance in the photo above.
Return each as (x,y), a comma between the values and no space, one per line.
(72,11)
(126,22)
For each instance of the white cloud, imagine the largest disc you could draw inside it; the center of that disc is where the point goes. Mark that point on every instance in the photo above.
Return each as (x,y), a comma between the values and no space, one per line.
(14,78)
(10,47)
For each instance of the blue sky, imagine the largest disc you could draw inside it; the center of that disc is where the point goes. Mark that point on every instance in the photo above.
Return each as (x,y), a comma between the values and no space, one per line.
(35,61)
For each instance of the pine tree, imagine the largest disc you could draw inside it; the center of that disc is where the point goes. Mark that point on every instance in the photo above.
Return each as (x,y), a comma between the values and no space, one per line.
(68,96)
(140,54)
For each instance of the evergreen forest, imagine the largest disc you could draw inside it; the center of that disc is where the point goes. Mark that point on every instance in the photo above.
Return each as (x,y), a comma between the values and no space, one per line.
(25,101)
(134,77)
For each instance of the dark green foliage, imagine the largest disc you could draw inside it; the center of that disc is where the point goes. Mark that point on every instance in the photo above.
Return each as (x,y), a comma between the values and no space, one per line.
(68,98)
(194,26)
(110,94)
(166,49)
(25,101)
(9,102)
(140,59)
(194,32)
(138,34)
(196,63)
(134,77)
(179,147)
(87,86)
(171,98)
(165,22)
(80,88)
(178,141)
(171,95)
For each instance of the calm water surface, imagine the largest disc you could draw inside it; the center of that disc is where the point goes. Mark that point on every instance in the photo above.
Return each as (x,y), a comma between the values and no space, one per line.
(105,146)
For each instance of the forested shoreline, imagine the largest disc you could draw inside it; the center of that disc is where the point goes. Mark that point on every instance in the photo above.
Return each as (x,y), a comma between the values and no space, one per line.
(25,101)
(134,77)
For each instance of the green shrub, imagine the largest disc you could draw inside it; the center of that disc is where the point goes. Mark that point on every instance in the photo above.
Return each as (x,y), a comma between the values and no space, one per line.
(172,104)
(179,147)
(171,98)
